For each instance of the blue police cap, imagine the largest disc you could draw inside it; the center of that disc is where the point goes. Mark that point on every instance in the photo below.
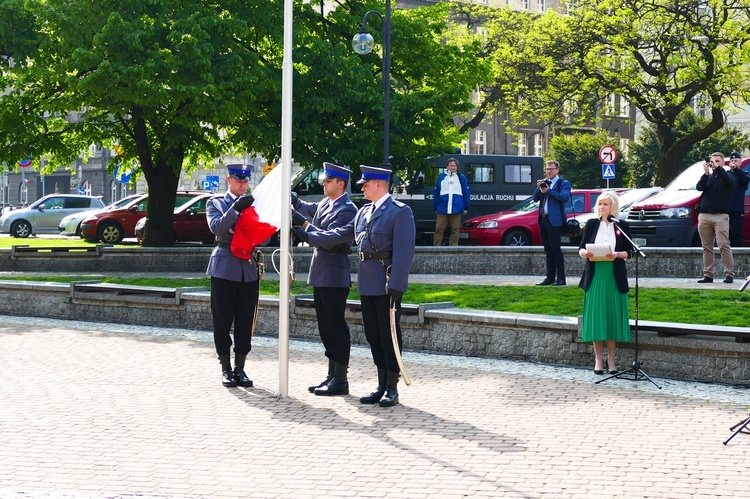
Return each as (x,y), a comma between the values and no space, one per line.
(240,171)
(336,171)
(735,155)
(373,173)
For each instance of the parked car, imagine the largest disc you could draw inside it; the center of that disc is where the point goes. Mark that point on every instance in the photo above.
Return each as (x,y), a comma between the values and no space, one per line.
(627,199)
(44,215)
(190,223)
(112,226)
(71,225)
(669,219)
(519,226)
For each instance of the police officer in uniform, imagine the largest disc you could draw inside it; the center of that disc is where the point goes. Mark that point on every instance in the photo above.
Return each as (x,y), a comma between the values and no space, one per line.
(234,282)
(330,275)
(381,229)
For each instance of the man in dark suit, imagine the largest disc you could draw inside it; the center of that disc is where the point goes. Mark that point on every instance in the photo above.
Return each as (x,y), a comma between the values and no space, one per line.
(234,282)
(381,229)
(330,275)
(552,193)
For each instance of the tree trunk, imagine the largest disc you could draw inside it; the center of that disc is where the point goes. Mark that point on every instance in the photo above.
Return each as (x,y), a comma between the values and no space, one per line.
(162,191)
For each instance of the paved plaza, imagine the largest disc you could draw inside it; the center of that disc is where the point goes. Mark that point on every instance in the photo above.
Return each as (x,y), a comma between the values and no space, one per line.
(102,410)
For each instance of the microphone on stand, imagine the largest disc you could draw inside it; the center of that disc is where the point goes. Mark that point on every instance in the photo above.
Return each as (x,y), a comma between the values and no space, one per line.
(613,220)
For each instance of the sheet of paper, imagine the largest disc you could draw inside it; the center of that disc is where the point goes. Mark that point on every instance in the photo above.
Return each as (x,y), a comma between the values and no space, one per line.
(600,251)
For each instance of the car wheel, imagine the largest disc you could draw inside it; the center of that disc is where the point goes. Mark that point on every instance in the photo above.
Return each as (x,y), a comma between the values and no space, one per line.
(20,228)
(78,230)
(110,233)
(516,237)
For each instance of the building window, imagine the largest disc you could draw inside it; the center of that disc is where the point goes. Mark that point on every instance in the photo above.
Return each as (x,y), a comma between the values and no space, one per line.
(619,106)
(464,147)
(570,6)
(701,106)
(538,144)
(525,4)
(541,5)
(523,147)
(479,142)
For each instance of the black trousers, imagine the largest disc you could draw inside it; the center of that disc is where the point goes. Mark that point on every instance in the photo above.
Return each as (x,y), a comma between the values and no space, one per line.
(233,303)
(551,241)
(736,222)
(330,307)
(376,318)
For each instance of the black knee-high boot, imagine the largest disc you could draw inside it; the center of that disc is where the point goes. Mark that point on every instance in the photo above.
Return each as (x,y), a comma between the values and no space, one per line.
(227,377)
(331,368)
(375,396)
(339,385)
(390,397)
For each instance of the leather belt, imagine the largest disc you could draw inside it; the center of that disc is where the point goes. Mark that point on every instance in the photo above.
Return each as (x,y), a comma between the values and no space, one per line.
(375,255)
(221,244)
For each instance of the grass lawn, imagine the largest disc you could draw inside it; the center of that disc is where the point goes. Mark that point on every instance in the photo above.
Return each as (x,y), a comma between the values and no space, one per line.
(694,306)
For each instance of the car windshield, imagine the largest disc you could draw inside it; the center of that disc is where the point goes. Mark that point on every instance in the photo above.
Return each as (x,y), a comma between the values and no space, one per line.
(686,180)
(124,201)
(526,205)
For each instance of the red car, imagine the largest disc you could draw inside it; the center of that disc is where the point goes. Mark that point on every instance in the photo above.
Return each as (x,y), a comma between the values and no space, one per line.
(190,223)
(519,226)
(113,226)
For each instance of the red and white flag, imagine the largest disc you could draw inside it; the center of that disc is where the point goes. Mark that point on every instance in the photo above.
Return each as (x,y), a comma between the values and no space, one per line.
(261,220)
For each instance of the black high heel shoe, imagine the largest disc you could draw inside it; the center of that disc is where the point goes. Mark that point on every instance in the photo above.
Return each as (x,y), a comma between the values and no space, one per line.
(599,372)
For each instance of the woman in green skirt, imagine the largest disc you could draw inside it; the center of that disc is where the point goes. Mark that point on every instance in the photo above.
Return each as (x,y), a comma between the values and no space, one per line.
(605,281)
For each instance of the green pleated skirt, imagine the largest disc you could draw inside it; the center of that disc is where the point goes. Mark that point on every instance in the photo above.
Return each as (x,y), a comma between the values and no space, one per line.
(605,309)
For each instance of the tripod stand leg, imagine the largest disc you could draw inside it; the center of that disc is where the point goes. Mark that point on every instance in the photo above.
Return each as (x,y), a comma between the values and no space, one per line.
(742,425)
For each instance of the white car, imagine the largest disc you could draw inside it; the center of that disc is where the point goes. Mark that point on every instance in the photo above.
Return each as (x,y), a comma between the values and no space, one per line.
(627,199)
(71,224)
(43,216)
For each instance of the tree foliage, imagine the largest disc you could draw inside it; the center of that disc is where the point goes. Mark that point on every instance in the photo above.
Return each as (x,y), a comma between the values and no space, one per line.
(662,56)
(176,82)
(578,155)
(644,151)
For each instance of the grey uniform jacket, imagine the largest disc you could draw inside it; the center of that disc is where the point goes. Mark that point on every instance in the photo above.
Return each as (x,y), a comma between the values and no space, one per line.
(330,265)
(223,264)
(390,229)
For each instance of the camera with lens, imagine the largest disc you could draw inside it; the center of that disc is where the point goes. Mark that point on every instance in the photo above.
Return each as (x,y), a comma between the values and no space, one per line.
(707,159)
(545,182)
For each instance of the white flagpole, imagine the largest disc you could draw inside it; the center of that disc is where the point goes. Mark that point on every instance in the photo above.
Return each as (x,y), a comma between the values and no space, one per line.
(286,173)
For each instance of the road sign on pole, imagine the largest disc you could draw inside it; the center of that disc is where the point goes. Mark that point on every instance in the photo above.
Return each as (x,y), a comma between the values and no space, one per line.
(607,154)
(608,171)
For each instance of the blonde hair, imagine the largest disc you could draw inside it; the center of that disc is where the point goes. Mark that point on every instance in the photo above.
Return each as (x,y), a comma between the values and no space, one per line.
(613,198)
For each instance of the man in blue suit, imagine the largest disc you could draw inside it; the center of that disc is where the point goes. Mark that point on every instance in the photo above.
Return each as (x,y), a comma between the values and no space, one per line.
(381,229)
(552,193)
(330,275)
(234,282)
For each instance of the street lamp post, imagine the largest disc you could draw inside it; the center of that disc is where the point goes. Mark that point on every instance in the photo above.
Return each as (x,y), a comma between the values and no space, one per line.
(362,43)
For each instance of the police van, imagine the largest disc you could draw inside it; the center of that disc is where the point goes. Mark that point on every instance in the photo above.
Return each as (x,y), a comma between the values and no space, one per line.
(496,182)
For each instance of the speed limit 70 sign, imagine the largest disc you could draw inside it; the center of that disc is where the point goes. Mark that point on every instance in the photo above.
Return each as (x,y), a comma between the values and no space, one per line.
(608,154)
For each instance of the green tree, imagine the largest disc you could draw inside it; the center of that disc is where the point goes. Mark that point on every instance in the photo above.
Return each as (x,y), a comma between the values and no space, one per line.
(578,155)
(660,55)
(644,152)
(173,83)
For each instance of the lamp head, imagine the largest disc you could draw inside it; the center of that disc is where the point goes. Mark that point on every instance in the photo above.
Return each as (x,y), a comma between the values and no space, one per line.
(362,43)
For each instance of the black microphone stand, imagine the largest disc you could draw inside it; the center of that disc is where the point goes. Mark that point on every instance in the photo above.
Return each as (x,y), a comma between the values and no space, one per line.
(638,373)
(742,424)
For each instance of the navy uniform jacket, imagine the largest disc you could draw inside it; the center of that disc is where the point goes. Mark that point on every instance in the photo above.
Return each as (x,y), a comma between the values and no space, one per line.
(621,244)
(558,195)
(223,264)
(391,229)
(330,265)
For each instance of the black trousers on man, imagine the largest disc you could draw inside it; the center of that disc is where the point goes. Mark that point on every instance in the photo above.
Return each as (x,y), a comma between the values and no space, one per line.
(551,241)
(736,222)
(233,303)
(376,319)
(330,307)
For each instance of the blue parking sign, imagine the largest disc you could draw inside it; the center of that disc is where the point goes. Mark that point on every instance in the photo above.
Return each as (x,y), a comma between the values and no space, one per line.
(213,181)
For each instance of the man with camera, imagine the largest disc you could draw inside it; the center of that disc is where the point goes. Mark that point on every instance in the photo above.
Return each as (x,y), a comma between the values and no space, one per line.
(552,193)
(716,185)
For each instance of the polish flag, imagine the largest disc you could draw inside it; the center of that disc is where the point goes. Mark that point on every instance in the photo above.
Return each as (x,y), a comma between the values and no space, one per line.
(261,220)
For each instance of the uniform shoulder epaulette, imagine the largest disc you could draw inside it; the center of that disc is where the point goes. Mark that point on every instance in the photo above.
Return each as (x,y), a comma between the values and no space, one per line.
(398,203)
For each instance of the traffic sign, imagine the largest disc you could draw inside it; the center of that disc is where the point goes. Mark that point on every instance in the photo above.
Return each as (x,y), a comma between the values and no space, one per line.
(607,154)
(205,185)
(122,175)
(213,181)
(608,171)
(25,162)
